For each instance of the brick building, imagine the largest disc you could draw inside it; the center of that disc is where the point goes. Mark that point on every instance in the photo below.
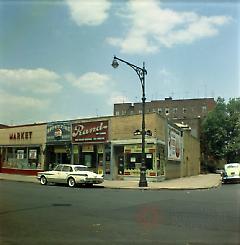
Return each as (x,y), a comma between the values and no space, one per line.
(107,145)
(186,111)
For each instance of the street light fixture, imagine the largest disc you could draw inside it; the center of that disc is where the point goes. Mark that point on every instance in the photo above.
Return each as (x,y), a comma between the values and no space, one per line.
(141,72)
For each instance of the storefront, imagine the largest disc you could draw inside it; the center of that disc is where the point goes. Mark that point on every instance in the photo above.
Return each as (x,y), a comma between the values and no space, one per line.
(58,145)
(126,147)
(107,145)
(90,145)
(174,151)
(22,149)
(128,158)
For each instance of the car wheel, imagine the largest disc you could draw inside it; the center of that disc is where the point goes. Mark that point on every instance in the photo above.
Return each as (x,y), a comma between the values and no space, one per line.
(71,182)
(43,180)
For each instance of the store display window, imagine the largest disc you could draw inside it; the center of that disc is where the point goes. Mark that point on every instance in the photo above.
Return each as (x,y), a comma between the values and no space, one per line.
(21,157)
(133,160)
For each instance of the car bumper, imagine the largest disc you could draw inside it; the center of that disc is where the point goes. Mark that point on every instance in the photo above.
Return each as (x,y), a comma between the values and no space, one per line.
(231,179)
(93,181)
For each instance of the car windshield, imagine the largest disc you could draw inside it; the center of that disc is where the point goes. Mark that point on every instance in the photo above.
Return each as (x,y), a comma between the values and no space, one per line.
(80,168)
(58,168)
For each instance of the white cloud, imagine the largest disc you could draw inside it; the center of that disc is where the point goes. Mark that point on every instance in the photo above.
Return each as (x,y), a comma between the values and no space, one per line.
(166,77)
(91,82)
(93,12)
(36,81)
(25,102)
(21,109)
(152,26)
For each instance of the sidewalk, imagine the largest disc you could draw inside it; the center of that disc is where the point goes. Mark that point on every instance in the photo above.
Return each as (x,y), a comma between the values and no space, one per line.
(205,181)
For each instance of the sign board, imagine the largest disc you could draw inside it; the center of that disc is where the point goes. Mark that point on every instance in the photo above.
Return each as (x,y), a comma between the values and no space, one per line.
(20,154)
(175,144)
(96,131)
(32,154)
(58,131)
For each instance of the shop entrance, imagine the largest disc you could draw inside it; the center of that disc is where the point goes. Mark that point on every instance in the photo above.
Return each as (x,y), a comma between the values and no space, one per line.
(61,158)
(56,155)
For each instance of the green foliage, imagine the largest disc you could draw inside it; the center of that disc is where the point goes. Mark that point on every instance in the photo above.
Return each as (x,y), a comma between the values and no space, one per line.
(221,132)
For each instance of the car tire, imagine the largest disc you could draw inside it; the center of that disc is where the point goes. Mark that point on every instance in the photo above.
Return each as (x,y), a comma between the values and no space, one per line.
(71,182)
(43,180)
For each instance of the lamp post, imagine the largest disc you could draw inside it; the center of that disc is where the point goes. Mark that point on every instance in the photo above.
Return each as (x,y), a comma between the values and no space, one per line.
(141,72)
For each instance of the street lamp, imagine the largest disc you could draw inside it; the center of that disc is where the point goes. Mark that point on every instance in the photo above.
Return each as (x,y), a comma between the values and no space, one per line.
(141,72)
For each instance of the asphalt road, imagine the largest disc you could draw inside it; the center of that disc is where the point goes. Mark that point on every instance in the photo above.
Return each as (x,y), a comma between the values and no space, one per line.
(34,214)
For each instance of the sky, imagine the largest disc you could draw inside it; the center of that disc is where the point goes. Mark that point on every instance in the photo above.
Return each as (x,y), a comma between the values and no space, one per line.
(56,56)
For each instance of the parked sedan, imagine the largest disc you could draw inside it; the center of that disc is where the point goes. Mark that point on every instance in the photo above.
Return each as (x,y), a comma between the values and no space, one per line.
(231,173)
(71,175)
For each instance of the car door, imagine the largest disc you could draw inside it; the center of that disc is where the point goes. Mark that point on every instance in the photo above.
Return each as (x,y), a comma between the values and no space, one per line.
(56,173)
(66,170)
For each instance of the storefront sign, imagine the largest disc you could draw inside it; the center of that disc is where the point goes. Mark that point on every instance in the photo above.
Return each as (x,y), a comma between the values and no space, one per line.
(87,148)
(20,136)
(20,154)
(58,131)
(32,154)
(138,149)
(174,144)
(90,132)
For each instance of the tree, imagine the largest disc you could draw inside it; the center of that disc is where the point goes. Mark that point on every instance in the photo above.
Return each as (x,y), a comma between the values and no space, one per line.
(220,139)
(232,151)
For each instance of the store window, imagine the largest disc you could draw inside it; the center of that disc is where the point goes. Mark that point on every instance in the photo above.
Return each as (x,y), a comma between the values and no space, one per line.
(21,157)
(133,161)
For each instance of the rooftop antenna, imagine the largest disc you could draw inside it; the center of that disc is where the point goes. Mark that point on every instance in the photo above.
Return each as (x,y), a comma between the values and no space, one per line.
(205,90)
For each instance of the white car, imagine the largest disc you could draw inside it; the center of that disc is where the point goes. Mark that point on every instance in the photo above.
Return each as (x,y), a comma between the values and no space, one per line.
(231,173)
(71,175)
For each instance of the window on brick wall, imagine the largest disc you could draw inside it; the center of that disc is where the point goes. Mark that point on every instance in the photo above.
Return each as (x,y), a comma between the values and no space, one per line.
(124,112)
(204,109)
(167,111)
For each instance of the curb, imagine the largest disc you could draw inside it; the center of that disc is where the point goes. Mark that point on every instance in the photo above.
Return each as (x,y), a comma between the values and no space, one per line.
(216,185)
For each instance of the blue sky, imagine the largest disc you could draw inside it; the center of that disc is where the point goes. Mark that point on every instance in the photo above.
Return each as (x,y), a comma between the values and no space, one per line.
(55,56)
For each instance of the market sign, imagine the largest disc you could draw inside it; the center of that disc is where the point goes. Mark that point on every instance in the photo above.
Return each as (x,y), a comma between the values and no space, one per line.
(58,131)
(90,132)
(20,136)
(175,144)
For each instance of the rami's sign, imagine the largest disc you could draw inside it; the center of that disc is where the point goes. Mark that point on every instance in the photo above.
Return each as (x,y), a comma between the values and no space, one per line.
(90,132)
